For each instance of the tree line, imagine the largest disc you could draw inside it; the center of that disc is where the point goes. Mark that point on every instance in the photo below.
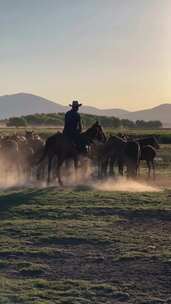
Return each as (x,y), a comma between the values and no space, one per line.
(57,119)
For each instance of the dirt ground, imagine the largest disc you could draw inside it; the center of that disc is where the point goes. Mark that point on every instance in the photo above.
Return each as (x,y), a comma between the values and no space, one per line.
(78,245)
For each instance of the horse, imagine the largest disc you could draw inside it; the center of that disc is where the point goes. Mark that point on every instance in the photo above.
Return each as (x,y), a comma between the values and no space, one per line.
(132,155)
(112,151)
(148,154)
(119,150)
(149,140)
(9,153)
(29,148)
(60,147)
(148,146)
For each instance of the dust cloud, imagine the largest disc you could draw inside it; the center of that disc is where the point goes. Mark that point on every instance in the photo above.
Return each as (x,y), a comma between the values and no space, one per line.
(87,178)
(125,185)
(84,178)
(12,175)
(12,180)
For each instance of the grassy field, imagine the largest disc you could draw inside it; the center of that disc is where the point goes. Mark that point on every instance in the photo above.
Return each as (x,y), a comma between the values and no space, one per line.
(51,130)
(163,135)
(82,246)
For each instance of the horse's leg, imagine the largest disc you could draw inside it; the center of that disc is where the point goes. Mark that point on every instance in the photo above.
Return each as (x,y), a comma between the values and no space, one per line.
(38,173)
(131,169)
(49,169)
(104,167)
(149,168)
(67,164)
(99,168)
(154,169)
(59,164)
(128,170)
(120,167)
(111,166)
(18,168)
(76,168)
(86,172)
(138,170)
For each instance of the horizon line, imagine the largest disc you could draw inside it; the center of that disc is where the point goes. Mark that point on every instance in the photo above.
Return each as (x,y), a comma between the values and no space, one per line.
(86,105)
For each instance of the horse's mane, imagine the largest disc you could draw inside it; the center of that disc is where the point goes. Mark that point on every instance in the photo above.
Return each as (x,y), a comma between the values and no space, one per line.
(89,130)
(116,139)
(147,137)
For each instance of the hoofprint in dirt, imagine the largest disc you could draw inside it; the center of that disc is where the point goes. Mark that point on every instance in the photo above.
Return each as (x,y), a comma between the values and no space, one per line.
(80,246)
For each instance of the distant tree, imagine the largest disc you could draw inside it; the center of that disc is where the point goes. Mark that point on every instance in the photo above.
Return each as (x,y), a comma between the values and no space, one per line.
(116,122)
(126,123)
(139,124)
(57,119)
(151,124)
(17,122)
(154,124)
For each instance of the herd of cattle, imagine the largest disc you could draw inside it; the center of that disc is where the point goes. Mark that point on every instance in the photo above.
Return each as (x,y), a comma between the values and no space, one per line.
(23,154)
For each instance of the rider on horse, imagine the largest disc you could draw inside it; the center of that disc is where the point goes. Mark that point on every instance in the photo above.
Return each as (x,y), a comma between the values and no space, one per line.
(73,126)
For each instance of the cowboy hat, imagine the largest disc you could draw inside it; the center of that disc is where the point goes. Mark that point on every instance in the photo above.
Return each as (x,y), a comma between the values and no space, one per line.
(75,103)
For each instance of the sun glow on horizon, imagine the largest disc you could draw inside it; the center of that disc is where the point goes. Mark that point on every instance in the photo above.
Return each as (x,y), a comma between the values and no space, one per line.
(112,54)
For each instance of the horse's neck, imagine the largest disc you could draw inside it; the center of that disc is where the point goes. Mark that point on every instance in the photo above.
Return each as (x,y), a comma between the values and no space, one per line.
(115,141)
(145,141)
(87,134)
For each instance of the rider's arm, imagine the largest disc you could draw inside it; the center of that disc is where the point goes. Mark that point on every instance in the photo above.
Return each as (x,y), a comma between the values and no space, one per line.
(79,124)
(66,119)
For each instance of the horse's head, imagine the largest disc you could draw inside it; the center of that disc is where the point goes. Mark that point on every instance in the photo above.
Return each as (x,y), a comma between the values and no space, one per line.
(29,134)
(97,132)
(155,143)
(151,140)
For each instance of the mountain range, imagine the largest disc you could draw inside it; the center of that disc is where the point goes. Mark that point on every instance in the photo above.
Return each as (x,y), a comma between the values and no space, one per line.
(25,104)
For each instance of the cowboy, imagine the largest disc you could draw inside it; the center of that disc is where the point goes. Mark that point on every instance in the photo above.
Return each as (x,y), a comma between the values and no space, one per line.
(73,126)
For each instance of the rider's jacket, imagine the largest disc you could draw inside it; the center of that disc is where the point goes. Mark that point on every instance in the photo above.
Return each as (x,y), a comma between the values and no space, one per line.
(72,125)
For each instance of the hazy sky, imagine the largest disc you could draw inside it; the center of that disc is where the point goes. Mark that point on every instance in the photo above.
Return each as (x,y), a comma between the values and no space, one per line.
(107,53)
